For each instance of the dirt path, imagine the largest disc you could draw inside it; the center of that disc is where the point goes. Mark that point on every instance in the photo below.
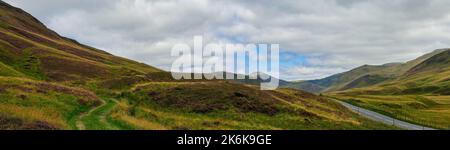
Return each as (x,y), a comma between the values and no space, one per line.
(96,117)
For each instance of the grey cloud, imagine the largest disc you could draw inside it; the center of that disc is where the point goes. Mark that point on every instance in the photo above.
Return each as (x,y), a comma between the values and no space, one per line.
(338,34)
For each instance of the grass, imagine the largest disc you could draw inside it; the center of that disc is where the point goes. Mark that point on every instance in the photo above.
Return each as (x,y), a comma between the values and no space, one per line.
(302,112)
(31,65)
(97,119)
(160,119)
(30,101)
(8,71)
(73,116)
(169,105)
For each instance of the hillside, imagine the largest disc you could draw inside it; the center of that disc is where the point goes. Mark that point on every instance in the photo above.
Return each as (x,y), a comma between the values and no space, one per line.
(428,77)
(420,95)
(48,81)
(359,77)
(437,63)
(306,86)
(30,104)
(364,76)
(26,45)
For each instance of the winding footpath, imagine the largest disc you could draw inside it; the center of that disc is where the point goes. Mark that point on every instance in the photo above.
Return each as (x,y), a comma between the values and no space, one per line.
(97,114)
(383,118)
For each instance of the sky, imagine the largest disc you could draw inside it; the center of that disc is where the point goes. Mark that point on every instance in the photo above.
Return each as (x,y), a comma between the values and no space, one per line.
(317,38)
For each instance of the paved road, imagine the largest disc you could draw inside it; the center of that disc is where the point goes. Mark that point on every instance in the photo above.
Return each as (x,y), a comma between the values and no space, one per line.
(382,118)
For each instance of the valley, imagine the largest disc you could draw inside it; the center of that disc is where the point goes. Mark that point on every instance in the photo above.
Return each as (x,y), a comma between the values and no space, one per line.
(50,82)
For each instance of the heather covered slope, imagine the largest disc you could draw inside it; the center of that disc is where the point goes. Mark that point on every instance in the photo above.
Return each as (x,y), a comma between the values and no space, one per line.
(26,45)
(8,71)
(30,104)
(438,63)
(227,105)
(51,82)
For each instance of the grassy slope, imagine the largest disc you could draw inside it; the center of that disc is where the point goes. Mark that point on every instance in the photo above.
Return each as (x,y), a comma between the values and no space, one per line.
(8,71)
(430,77)
(28,46)
(40,105)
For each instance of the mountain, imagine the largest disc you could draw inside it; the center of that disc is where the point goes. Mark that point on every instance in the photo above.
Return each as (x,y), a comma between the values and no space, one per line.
(306,86)
(359,77)
(29,46)
(438,63)
(257,79)
(430,76)
(364,76)
(48,82)
(420,95)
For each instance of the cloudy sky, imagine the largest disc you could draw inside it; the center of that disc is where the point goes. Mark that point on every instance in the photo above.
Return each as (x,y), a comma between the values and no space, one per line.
(317,38)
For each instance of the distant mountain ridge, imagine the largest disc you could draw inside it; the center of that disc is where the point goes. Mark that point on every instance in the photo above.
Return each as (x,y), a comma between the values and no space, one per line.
(365,76)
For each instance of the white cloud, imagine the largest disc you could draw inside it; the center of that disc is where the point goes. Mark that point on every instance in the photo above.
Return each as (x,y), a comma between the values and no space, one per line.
(335,35)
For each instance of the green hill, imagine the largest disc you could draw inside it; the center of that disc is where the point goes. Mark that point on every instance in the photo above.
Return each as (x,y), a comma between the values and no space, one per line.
(438,63)
(431,76)
(420,95)
(306,86)
(28,46)
(48,81)
(364,76)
